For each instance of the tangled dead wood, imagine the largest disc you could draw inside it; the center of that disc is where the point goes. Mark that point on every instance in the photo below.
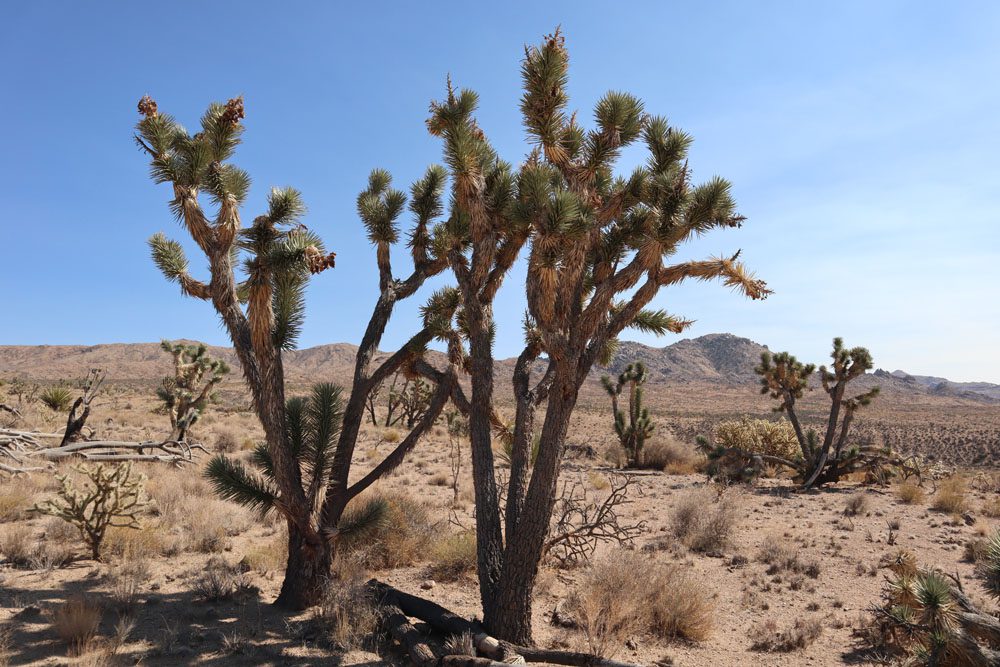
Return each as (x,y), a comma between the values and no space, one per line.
(397,607)
(25,448)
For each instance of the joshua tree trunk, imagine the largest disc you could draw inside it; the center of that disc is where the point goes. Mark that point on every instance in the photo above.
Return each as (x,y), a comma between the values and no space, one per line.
(511,609)
(306,572)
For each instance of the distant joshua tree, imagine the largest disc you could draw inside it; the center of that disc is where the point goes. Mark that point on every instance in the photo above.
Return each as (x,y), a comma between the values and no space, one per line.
(186,395)
(634,428)
(784,378)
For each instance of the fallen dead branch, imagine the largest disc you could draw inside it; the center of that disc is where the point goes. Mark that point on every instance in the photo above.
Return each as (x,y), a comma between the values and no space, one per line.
(399,605)
(22,448)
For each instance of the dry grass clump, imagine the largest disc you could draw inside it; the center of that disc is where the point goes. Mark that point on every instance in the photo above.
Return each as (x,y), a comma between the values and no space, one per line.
(127,579)
(704,520)
(15,499)
(149,541)
(348,615)
(19,547)
(910,493)
(950,496)
(399,538)
(210,523)
(991,507)
(669,454)
(267,556)
(856,504)
(613,602)
(226,441)
(781,555)
(770,638)
(453,557)
(76,622)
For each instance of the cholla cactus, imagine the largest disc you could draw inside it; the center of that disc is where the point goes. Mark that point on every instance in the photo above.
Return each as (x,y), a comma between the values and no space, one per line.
(113,497)
(189,391)
(633,433)
(758,436)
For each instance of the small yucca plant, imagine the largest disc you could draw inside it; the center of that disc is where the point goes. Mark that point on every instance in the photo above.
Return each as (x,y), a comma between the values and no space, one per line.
(313,425)
(57,398)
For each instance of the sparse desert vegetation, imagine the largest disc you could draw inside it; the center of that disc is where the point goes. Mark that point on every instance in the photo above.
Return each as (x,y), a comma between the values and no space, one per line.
(413,498)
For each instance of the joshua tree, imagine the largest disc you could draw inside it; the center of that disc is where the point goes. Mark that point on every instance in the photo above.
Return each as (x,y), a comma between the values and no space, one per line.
(263,314)
(784,378)
(597,246)
(188,392)
(631,434)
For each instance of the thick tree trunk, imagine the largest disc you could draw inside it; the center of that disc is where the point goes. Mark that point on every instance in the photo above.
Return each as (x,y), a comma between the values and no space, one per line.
(489,535)
(307,572)
(509,616)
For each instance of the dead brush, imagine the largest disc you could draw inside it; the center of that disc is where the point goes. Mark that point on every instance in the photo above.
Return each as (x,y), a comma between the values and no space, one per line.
(221,582)
(76,622)
(394,530)
(704,520)
(347,615)
(856,505)
(127,579)
(769,637)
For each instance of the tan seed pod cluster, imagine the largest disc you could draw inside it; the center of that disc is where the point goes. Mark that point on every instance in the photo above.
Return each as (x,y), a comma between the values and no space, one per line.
(147,106)
(317,261)
(234,111)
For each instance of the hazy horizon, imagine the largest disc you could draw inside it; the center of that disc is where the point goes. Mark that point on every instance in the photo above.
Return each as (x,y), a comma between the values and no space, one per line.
(861,141)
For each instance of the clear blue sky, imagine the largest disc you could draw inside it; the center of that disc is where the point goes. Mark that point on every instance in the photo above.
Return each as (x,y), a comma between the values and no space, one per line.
(861,138)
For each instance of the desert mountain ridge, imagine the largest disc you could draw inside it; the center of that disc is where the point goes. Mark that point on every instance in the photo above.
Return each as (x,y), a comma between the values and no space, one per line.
(712,358)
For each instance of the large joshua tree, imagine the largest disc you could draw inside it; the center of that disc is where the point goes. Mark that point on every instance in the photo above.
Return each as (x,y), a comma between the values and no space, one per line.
(598,246)
(263,314)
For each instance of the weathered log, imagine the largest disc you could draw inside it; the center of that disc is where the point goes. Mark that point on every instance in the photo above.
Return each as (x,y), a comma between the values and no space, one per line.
(400,628)
(450,623)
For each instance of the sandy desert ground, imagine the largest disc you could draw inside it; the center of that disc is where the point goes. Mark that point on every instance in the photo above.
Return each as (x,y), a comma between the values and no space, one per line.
(782,557)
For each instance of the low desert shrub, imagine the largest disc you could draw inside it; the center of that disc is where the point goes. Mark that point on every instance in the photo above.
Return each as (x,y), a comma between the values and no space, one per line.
(76,622)
(348,615)
(704,520)
(856,504)
(127,578)
(15,499)
(612,603)
(149,541)
(226,441)
(991,507)
(669,454)
(453,557)
(910,493)
(950,496)
(783,556)
(221,582)
(19,547)
(770,638)
(977,550)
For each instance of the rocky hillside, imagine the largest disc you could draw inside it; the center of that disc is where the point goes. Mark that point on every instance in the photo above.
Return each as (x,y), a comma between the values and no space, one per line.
(715,359)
